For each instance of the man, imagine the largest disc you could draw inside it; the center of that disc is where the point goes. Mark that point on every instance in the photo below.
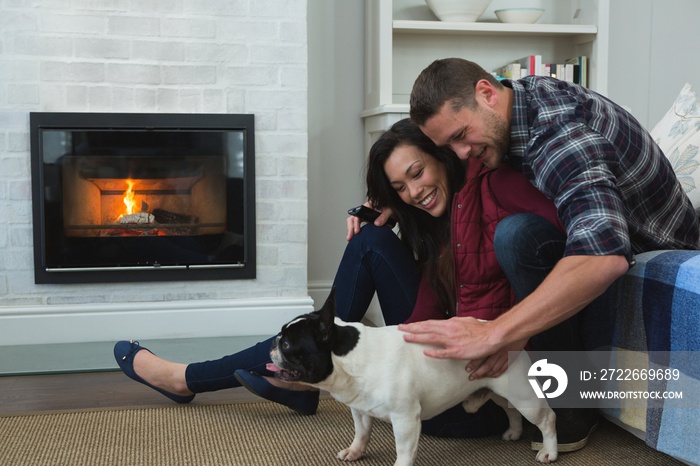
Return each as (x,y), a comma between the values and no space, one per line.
(615,193)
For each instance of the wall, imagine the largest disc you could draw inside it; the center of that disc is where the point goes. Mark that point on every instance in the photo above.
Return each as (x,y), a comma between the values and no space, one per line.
(653,53)
(191,56)
(29,36)
(336,150)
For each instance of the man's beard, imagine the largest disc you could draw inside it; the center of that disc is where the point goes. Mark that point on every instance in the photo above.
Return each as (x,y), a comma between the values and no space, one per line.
(499,134)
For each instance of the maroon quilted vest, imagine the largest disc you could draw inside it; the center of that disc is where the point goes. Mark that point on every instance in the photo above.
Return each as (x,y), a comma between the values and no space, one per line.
(487,197)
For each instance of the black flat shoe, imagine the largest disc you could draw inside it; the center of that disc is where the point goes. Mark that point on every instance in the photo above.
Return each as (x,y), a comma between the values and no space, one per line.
(124,352)
(304,402)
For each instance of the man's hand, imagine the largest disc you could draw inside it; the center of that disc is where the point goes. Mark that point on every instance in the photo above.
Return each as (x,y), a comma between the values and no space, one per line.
(573,283)
(354,224)
(455,338)
(494,365)
(463,338)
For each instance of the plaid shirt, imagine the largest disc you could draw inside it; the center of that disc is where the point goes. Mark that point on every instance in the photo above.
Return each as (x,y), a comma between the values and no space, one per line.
(615,191)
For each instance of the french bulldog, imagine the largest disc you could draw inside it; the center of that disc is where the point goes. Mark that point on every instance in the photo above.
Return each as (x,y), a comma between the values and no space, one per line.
(379,375)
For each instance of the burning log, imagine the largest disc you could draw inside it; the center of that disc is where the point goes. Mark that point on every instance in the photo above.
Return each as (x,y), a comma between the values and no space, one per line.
(165,216)
(139,218)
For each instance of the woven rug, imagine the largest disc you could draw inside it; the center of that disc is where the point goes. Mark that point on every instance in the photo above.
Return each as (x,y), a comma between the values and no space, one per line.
(265,434)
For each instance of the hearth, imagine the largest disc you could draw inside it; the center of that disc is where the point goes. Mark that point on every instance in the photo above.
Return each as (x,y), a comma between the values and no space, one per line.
(142,197)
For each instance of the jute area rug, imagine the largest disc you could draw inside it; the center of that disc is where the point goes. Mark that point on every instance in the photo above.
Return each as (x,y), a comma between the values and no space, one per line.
(264,434)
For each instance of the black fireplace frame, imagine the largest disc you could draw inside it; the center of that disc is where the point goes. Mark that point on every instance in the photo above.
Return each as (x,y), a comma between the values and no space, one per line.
(240,269)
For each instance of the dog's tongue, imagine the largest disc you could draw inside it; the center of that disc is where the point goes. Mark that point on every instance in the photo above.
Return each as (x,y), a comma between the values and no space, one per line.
(272,367)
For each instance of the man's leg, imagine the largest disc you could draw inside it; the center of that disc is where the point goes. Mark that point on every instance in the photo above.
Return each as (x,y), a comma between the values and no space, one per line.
(527,248)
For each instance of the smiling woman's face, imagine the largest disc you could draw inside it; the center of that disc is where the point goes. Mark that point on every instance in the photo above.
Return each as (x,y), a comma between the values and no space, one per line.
(419,179)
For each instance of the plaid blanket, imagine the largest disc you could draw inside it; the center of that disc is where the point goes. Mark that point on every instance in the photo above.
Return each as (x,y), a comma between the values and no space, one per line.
(655,307)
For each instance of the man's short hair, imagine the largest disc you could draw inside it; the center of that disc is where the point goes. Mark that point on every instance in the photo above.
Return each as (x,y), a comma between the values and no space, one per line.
(446,80)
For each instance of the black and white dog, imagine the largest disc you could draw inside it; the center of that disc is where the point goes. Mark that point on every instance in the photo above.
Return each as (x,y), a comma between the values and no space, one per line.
(378,375)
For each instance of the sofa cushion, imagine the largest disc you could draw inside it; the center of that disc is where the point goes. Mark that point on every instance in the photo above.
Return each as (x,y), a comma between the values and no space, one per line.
(678,135)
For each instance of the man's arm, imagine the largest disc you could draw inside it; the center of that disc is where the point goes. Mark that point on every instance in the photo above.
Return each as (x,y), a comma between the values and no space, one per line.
(573,283)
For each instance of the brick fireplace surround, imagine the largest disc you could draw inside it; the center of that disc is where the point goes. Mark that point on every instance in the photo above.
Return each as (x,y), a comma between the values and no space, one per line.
(181,56)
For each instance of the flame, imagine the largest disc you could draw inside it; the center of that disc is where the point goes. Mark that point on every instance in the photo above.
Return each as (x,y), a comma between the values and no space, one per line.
(129,200)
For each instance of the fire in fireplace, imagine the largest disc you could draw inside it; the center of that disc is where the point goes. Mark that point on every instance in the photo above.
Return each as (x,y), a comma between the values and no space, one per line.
(134,197)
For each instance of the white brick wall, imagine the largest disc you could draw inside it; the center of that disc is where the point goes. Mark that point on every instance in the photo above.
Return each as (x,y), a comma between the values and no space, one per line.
(238,56)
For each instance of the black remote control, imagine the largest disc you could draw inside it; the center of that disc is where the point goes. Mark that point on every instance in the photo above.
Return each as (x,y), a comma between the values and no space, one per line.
(366,214)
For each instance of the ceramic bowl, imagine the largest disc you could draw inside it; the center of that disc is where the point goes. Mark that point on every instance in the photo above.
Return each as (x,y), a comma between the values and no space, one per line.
(458,10)
(519,15)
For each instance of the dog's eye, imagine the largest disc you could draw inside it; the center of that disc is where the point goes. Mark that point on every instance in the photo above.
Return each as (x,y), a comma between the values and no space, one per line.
(285,344)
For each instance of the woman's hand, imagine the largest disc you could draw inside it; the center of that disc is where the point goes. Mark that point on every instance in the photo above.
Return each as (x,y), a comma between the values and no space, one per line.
(354,223)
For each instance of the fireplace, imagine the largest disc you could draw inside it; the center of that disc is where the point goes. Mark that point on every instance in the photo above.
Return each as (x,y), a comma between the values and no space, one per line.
(142,197)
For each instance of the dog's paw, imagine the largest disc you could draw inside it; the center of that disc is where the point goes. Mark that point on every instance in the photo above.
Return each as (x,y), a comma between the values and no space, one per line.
(350,454)
(545,456)
(512,434)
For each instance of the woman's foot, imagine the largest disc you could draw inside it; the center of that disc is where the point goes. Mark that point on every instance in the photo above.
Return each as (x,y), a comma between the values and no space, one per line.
(145,367)
(298,397)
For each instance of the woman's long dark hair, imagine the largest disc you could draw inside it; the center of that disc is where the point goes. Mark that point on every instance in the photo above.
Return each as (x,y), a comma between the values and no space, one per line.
(427,236)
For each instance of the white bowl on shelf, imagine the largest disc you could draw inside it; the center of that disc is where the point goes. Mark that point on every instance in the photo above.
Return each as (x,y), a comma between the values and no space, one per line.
(519,15)
(458,10)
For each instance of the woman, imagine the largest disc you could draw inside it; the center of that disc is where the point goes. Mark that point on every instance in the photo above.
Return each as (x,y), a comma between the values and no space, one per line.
(435,198)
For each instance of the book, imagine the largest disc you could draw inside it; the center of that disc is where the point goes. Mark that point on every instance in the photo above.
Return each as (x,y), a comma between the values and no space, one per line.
(531,63)
(580,64)
(568,72)
(560,71)
(547,69)
(511,71)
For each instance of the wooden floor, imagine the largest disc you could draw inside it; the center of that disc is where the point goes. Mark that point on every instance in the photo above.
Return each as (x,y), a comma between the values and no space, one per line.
(58,392)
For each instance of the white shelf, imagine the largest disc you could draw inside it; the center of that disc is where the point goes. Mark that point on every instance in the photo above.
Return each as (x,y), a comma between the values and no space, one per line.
(500,29)
(403,37)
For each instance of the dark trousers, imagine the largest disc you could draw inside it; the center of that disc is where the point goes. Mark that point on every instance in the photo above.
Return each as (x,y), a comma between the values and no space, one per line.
(374,261)
(527,248)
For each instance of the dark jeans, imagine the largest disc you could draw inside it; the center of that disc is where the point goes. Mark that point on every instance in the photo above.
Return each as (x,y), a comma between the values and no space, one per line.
(527,248)
(374,261)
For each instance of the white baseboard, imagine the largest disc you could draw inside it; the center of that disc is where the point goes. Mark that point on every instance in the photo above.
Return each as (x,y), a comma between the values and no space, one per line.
(32,325)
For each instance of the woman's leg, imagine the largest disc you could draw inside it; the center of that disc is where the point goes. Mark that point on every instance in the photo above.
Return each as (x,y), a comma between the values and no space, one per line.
(374,260)
(187,379)
(209,376)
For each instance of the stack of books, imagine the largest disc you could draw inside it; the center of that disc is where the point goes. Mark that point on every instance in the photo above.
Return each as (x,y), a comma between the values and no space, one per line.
(574,70)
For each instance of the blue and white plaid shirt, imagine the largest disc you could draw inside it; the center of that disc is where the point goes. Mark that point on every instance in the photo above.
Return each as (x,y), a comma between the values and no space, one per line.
(615,191)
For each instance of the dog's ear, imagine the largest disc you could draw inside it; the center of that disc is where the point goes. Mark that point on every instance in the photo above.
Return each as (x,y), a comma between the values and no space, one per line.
(327,315)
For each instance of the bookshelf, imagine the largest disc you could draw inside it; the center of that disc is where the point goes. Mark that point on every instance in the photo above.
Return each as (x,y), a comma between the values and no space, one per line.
(403,37)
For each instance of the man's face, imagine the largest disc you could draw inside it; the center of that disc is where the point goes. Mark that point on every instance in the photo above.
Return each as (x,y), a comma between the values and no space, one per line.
(471,133)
